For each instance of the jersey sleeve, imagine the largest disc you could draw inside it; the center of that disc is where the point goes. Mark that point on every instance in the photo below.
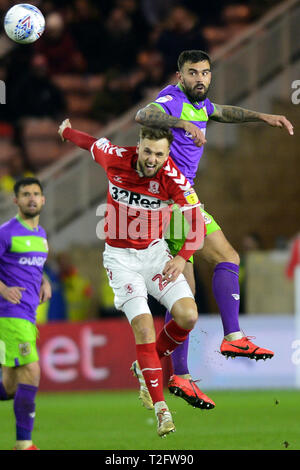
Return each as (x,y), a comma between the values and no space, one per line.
(4,242)
(168,103)
(102,150)
(105,153)
(209,107)
(179,188)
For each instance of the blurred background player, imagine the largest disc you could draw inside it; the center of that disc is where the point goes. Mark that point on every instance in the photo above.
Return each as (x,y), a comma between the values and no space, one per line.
(23,252)
(185,109)
(139,263)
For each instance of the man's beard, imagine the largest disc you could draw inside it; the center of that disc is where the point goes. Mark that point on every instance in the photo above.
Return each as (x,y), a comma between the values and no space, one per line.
(31,215)
(194,95)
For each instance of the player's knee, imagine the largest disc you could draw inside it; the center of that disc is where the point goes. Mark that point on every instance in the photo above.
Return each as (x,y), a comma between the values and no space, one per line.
(190,318)
(187,318)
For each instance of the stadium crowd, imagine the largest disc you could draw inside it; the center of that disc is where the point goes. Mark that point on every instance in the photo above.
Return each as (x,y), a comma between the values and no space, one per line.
(95,61)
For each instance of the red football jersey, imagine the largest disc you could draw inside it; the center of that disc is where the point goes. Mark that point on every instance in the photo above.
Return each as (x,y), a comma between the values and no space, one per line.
(139,207)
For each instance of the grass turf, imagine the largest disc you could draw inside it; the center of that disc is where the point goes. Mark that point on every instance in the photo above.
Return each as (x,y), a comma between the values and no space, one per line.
(242,420)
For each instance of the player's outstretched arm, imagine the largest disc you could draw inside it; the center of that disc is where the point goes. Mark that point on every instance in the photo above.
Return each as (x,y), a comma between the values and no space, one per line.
(81,139)
(151,116)
(235,114)
(66,123)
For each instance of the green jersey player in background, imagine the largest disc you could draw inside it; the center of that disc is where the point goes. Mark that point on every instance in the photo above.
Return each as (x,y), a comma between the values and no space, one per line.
(23,253)
(185,109)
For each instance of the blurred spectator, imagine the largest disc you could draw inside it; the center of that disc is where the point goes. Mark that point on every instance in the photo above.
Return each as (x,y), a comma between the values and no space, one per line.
(78,289)
(39,96)
(281,242)
(235,18)
(58,45)
(156,11)
(251,242)
(113,99)
(87,29)
(152,68)
(17,169)
(182,31)
(121,91)
(211,13)
(140,26)
(121,44)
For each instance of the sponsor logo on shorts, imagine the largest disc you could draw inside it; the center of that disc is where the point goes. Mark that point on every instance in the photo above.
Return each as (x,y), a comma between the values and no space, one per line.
(32,261)
(24,349)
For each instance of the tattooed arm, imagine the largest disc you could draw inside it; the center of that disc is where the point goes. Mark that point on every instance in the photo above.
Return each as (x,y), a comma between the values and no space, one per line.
(235,114)
(151,116)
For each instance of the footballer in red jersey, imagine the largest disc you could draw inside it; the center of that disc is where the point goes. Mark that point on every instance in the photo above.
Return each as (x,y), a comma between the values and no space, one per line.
(143,184)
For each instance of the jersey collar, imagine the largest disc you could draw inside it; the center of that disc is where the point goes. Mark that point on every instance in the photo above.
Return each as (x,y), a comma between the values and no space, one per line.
(27,226)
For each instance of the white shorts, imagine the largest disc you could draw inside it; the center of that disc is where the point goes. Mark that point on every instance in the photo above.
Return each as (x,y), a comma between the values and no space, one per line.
(134,273)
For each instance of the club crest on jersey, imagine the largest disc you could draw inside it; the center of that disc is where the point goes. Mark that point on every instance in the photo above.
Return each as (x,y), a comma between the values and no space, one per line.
(164,99)
(154,187)
(191,197)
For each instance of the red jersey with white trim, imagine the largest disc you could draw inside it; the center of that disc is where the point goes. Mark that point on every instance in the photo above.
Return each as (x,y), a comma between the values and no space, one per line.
(139,207)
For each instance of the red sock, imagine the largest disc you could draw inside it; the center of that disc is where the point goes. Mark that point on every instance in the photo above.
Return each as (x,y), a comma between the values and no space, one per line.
(171,336)
(151,368)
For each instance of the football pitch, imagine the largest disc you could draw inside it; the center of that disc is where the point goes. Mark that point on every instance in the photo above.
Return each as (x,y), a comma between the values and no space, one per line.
(242,420)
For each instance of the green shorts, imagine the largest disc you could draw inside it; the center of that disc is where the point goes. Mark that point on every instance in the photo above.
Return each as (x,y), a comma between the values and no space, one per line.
(178,229)
(17,342)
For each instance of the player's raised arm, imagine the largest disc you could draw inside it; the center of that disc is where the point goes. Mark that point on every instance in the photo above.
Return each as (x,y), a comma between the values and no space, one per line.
(81,139)
(235,114)
(151,116)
